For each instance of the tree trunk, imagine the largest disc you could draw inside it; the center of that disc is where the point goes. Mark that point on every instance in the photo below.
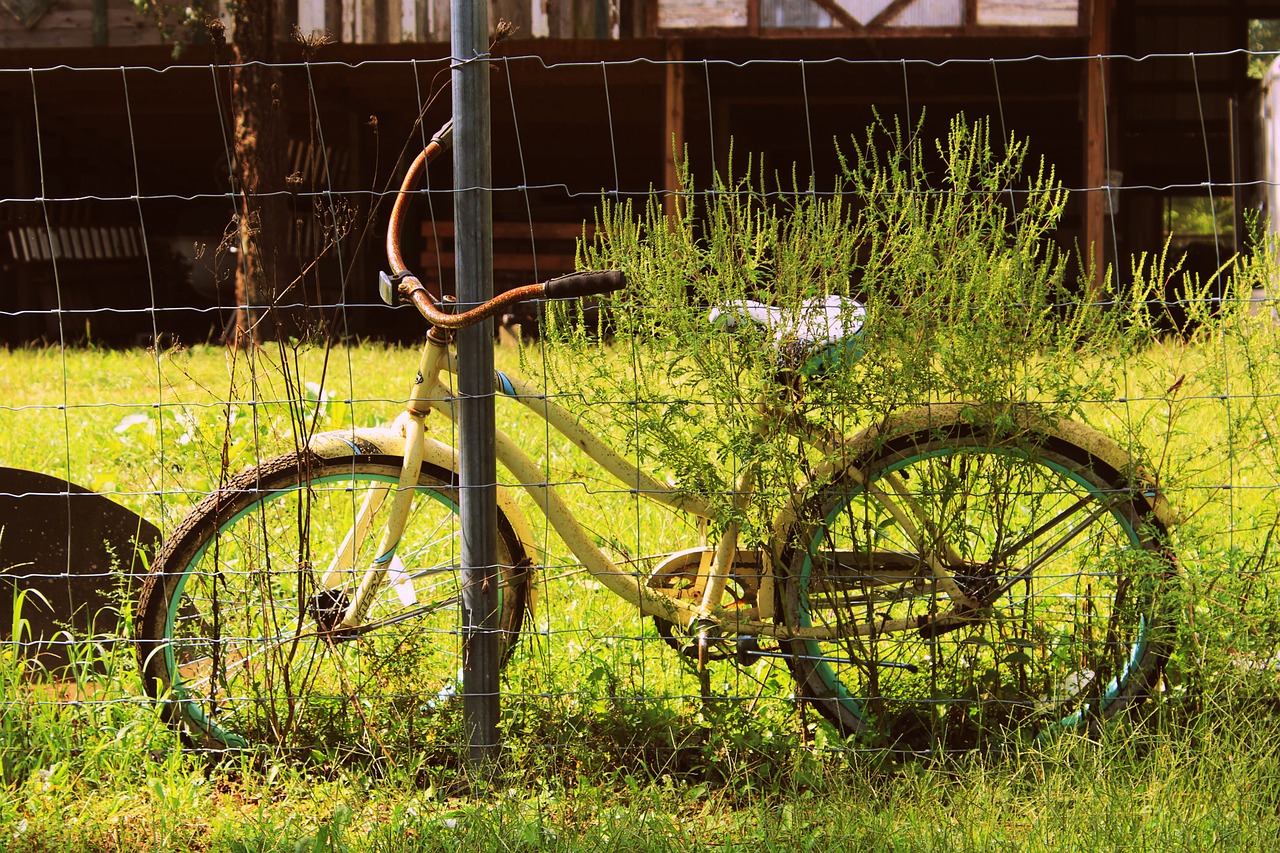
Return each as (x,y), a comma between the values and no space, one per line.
(258,174)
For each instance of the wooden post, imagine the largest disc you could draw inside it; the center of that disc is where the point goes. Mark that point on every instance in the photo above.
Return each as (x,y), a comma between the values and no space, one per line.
(673,130)
(25,169)
(98,25)
(1095,164)
(1237,176)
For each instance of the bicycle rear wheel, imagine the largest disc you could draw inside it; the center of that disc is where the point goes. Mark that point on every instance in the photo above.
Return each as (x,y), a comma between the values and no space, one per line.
(1062,555)
(240,644)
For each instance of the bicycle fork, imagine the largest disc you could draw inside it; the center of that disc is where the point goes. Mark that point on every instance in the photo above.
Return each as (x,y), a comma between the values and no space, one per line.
(343,564)
(706,628)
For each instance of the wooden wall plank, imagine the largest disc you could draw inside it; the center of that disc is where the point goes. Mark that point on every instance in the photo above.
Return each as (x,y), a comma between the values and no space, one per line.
(367,24)
(560,18)
(1028,13)
(439,25)
(698,14)
(1095,148)
(539,23)
(311,17)
(350,21)
(98,29)
(673,129)
(70,23)
(584,18)
(408,20)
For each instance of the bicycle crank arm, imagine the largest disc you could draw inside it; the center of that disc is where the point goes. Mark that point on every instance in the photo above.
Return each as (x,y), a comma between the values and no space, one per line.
(945,623)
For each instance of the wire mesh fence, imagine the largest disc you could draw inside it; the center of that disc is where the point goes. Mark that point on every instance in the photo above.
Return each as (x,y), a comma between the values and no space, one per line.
(1091,490)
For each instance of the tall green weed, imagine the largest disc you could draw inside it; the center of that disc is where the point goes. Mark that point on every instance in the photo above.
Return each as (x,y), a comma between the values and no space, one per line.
(951,250)
(953,247)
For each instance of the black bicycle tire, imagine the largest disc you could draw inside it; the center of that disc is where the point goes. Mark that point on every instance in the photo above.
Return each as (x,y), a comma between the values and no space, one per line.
(254,487)
(1042,440)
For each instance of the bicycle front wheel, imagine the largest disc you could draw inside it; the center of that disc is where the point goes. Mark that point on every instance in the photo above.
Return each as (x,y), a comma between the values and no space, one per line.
(242,646)
(979,581)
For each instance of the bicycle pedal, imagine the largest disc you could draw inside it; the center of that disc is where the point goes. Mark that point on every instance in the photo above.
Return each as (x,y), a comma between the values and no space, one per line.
(715,650)
(747,650)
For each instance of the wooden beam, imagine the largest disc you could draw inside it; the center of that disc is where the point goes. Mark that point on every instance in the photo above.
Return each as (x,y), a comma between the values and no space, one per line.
(888,13)
(333,18)
(99,26)
(1237,177)
(839,14)
(900,33)
(1095,163)
(673,126)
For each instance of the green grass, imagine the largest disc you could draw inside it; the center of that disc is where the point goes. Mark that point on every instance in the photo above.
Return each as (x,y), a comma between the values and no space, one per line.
(1143,790)
(608,742)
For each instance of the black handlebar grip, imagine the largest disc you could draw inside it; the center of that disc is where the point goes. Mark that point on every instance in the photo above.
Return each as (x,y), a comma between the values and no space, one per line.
(578,284)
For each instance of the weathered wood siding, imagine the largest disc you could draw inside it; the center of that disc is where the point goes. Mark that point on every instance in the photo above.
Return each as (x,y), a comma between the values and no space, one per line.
(701,14)
(79,23)
(76,23)
(391,21)
(885,15)
(87,23)
(1028,13)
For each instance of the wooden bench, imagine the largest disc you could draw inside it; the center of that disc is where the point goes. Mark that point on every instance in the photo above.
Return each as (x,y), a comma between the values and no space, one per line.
(66,281)
(29,244)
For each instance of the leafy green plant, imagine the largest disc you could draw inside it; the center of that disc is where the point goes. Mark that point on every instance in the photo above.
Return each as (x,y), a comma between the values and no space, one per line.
(950,250)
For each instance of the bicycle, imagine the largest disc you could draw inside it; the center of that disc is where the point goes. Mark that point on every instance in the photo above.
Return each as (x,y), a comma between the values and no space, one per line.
(945,569)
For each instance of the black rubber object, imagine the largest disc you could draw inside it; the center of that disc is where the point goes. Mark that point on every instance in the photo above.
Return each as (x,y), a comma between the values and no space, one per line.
(68,558)
(579,284)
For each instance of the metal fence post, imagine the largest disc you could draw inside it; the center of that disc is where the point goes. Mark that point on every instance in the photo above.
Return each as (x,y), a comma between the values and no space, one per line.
(473,219)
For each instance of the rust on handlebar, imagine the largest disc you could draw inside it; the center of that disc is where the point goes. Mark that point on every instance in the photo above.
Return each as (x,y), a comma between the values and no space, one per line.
(410,183)
(411,287)
(429,303)
(416,292)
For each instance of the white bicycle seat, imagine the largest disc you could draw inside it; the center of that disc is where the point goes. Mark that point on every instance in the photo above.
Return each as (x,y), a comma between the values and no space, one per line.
(819,322)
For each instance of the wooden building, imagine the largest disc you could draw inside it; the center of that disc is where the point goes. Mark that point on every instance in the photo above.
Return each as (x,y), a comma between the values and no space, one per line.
(120,171)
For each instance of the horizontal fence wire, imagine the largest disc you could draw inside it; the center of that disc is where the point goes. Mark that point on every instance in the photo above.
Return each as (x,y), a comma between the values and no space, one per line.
(966,181)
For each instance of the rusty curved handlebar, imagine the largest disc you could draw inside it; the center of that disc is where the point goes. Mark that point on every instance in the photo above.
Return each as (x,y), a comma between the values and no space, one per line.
(435,309)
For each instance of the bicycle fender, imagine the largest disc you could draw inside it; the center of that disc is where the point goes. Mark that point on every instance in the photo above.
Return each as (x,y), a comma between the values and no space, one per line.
(389,441)
(1101,446)
(1018,416)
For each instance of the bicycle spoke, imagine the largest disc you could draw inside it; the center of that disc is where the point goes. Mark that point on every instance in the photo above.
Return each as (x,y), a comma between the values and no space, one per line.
(966,641)
(241,645)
